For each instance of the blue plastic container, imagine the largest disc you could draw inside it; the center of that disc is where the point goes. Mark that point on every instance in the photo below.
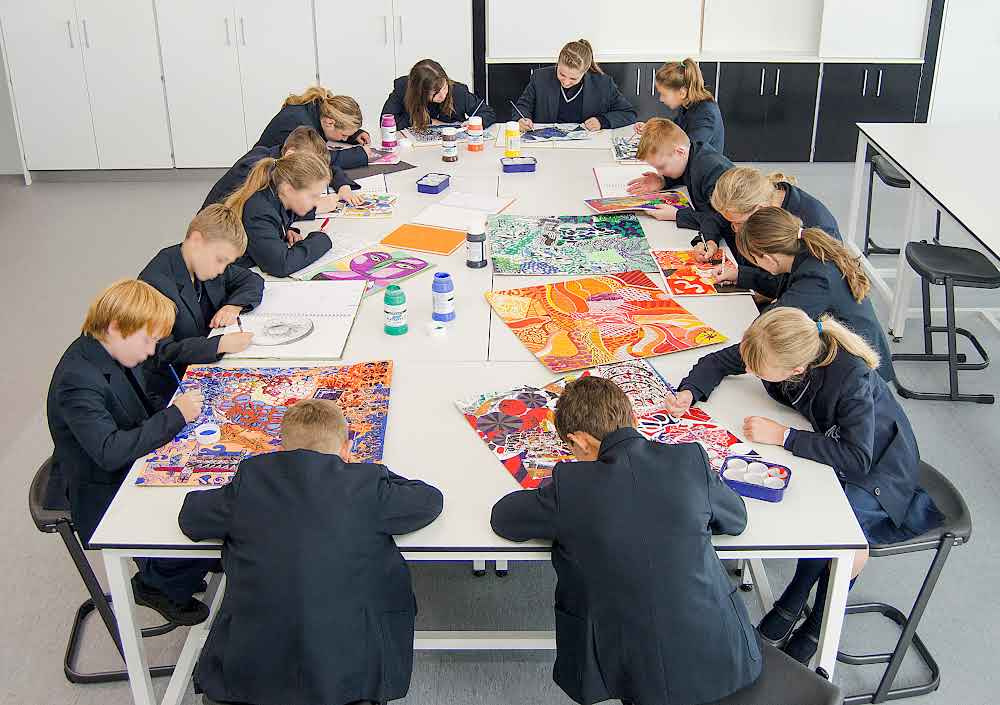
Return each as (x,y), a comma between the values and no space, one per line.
(433,183)
(512,165)
(776,471)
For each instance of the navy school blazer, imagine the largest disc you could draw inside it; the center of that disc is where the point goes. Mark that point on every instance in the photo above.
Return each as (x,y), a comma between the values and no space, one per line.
(238,172)
(319,606)
(100,425)
(859,427)
(644,609)
(267,223)
(292,116)
(601,99)
(702,121)
(188,342)
(465,102)
(705,165)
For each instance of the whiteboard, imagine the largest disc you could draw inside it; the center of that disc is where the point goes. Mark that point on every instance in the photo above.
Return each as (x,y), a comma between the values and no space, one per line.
(772,27)
(888,29)
(641,28)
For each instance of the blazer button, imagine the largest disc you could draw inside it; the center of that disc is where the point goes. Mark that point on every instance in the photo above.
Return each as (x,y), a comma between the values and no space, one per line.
(877,491)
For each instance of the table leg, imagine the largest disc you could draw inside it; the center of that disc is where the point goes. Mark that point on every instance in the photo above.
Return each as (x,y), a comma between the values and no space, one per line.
(904,275)
(118,569)
(764,594)
(833,616)
(177,688)
(857,192)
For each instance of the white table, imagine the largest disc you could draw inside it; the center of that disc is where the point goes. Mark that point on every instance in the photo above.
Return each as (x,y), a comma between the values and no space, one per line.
(428,438)
(950,166)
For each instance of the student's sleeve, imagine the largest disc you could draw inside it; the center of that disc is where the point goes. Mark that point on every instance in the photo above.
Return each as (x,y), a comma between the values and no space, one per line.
(704,126)
(205,514)
(395,106)
(355,138)
(267,246)
(708,223)
(95,429)
(765,283)
(487,113)
(620,112)
(406,505)
(341,179)
(710,370)
(850,448)
(727,510)
(526,103)
(350,158)
(198,350)
(243,287)
(809,292)
(528,514)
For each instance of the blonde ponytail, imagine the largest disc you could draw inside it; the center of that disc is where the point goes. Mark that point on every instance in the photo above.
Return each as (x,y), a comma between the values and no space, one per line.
(786,338)
(687,75)
(743,189)
(579,55)
(342,109)
(298,169)
(772,230)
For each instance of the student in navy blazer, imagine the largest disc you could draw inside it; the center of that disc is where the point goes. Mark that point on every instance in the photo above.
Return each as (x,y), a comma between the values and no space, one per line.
(319,606)
(576,91)
(300,139)
(428,97)
(278,192)
(102,420)
(644,609)
(826,373)
(335,117)
(208,291)
(682,88)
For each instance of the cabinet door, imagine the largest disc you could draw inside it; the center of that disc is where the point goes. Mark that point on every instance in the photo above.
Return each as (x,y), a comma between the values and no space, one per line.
(272,66)
(744,107)
(122,61)
(357,53)
(894,98)
(43,46)
(202,78)
(790,90)
(639,86)
(506,83)
(443,34)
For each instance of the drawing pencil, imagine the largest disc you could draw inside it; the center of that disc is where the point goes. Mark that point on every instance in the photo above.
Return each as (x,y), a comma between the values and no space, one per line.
(518,110)
(180,385)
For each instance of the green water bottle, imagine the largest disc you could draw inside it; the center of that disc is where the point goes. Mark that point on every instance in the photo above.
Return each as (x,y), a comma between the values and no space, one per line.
(395,311)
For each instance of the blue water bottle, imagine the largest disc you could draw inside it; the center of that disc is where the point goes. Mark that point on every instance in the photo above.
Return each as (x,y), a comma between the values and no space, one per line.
(443,292)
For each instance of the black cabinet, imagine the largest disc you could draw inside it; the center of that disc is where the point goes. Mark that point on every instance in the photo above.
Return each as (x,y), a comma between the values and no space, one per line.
(862,93)
(638,84)
(768,110)
(506,83)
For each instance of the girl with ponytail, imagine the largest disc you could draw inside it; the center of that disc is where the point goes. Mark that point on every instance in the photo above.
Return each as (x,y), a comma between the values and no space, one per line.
(826,372)
(276,193)
(682,88)
(807,269)
(576,90)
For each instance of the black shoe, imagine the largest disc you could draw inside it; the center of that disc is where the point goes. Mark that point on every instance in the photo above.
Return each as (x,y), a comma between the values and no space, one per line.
(777,625)
(188,614)
(802,646)
(202,587)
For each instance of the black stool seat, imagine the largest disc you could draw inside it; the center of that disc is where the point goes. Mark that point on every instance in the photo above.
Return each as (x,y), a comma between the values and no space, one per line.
(890,175)
(784,680)
(46,520)
(964,266)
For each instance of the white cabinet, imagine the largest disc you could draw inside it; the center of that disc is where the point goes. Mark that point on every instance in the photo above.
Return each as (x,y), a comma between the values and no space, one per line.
(444,35)
(764,27)
(888,29)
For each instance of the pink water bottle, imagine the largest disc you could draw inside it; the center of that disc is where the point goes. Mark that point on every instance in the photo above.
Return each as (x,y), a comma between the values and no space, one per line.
(389,142)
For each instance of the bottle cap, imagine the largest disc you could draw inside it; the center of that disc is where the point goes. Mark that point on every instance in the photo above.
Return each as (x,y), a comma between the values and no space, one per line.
(394,296)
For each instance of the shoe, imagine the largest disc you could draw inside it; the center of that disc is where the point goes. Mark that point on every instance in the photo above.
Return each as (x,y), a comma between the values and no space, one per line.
(187,615)
(202,587)
(777,625)
(802,646)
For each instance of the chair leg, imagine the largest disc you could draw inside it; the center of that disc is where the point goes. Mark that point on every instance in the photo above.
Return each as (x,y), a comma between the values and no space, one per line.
(871,248)
(937,227)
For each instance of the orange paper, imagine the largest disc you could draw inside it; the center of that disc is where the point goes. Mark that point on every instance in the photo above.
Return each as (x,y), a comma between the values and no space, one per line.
(424,238)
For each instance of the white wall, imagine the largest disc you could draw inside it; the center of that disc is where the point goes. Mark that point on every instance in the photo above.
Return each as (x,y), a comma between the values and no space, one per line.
(968,63)
(10,160)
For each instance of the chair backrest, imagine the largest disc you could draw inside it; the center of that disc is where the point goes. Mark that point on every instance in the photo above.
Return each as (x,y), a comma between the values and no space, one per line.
(958,518)
(46,520)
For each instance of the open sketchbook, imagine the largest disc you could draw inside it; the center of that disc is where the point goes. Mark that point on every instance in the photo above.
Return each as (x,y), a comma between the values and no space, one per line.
(461,211)
(301,320)
(374,205)
(344,245)
(612,179)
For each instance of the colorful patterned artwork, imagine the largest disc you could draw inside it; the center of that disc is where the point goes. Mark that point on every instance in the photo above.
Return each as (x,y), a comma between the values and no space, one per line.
(431,135)
(379,266)
(559,132)
(576,324)
(243,411)
(382,156)
(686,276)
(375,205)
(568,244)
(519,426)
(625,148)
(639,202)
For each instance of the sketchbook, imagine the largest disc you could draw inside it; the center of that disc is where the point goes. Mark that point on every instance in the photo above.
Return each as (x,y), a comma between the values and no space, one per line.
(301,320)
(638,202)
(344,245)
(612,179)
(374,205)
(477,202)
(431,136)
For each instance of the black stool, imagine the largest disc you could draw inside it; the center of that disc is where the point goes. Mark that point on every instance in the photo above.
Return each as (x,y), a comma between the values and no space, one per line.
(784,680)
(57,521)
(954,531)
(890,176)
(950,267)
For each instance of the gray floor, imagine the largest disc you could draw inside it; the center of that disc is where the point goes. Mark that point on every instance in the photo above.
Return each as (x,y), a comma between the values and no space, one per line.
(69,236)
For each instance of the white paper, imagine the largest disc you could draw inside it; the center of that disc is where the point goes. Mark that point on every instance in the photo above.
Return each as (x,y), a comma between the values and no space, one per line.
(373,184)
(440,216)
(612,180)
(300,321)
(487,203)
(343,246)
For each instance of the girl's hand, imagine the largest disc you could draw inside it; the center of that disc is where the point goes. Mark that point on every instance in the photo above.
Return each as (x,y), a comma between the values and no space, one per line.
(663,211)
(650,182)
(759,429)
(369,152)
(678,404)
(349,196)
(363,138)
(592,124)
(235,342)
(294,237)
(638,127)
(225,316)
(727,272)
(706,251)
(525,124)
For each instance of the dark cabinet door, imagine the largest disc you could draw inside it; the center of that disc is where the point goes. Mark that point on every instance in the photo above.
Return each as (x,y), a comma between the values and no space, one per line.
(505,83)
(639,86)
(790,90)
(895,92)
(742,100)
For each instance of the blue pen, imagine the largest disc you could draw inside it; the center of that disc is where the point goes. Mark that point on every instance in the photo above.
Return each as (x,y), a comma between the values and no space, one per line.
(180,385)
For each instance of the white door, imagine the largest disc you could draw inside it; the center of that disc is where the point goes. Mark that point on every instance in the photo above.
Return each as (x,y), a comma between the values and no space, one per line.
(356,53)
(43,47)
(444,35)
(202,78)
(277,57)
(122,61)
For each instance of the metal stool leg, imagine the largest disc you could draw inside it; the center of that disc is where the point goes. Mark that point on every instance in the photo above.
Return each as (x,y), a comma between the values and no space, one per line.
(937,227)
(871,248)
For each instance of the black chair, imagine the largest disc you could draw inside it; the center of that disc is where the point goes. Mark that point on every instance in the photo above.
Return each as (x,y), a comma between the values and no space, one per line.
(57,521)
(892,177)
(950,267)
(955,531)
(784,680)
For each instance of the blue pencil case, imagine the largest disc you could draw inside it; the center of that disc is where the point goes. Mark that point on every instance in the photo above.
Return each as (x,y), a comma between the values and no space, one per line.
(757,478)
(433,183)
(512,165)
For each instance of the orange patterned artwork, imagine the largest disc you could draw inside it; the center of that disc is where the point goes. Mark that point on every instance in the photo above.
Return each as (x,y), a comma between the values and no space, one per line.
(577,324)
(685,276)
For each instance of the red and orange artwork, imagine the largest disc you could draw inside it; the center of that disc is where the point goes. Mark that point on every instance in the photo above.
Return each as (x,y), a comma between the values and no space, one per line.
(686,276)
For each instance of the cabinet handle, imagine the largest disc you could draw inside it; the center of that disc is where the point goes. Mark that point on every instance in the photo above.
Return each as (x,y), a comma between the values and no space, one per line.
(777,81)
(385,30)
(400,18)
(878,91)
(762,80)
(638,78)
(243,30)
(69,31)
(864,85)
(86,35)
(229,42)
(652,82)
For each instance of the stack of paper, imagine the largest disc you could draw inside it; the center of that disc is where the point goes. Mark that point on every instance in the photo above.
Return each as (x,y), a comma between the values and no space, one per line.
(462,211)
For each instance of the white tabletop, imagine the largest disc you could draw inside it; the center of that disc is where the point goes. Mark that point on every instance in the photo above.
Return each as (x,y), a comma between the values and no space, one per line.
(428,438)
(955,165)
